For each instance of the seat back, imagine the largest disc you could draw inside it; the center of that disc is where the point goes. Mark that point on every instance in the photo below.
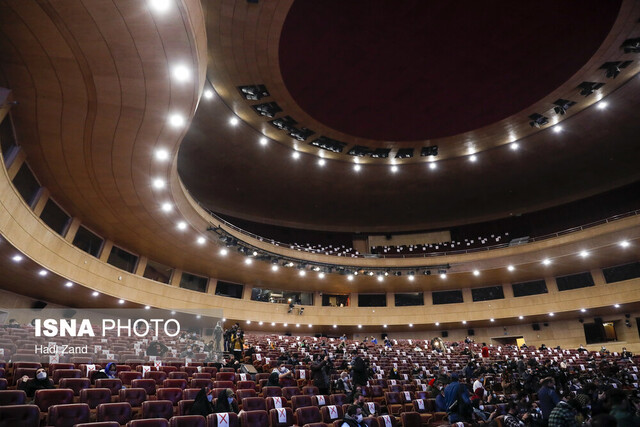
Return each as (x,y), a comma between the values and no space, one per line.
(114,385)
(172,394)
(229,417)
(245,385)
(190,393)
(75,384)
(184,406)
(275,402)
(338,399)
(153,422)
(157,409)
(257,418)
(301,401)
(95,396)
(226,376)
(4,384)
(270,391)
(68,415)
(281,417)
(175,382)
(53,366)
(203,382)
(12,397)
(148,384)
(310,390)
(411,419)
(43,399)
(157,376)
(244,393)
(20,372)
(254,404)
(188,421)
(331,413)
(206,375)
(119,412)
(20,415)
(320,400)
(58,374)
(395,388)
(175,375)
(218,384)
(133,396)
(387,421)
(392,398)
(97,424)
(128,376)
(289,392)
(307,415)
(376,391)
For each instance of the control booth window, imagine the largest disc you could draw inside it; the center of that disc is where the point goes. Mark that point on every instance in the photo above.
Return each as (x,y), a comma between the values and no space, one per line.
(122,259)
(535,287)
(158,272)
(227,289)
(193,282)
(335,300)
(55,217)
(408,299)
(88,241)
(282,297)
(7,137)
(447,297)
(372,300)
(26,184)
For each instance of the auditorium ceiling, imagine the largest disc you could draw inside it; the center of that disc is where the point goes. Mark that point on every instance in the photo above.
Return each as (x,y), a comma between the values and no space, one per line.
(374,77)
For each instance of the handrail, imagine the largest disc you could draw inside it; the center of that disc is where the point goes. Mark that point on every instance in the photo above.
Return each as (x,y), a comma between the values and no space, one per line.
(428,254)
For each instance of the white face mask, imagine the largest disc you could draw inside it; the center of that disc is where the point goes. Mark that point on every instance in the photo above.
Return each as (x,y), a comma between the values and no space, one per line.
(230,400)
(359,418)
(41,375)
(210,397)
(481,407)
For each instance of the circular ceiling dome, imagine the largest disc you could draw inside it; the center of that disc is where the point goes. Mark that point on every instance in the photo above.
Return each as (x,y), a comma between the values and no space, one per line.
(415,70)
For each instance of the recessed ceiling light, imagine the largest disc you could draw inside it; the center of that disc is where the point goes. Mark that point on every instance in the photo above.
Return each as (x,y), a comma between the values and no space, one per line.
(160,5)
(551,314)
(274,267)
(176,120)
(514,146)
(492,320)
(411,325)
(384,326)
(350,277)
(260,323)
(357,168)
(557,128)
(335,326)
(411,277)
(380,278)
(511,268)
(263,141)
(254,253)
(162,154)
(167,207)
(602,105)
(473,158)
(322,162)
(443,275)
(433,165)
(120,301)
(583,310)
(437,323)
(224,319)
(42,273)
(476,272)
(584,254)
(158,183)
(248,261)
(173,312)
(95,293)
(321,275)
(224,251)
(302,273)
(208,94)
(464,322)
(297,325)
(233,121)
(273,323)
(546,261)
(295,155)
(394,168)
(198,317)
(201,240)
(248,322)
(625,243)
(17,258)
(68,284)
(181,225)
(359,326)
(181,73)
(285,324)
(520,317)
(310,325)
(146,307)
(616,305)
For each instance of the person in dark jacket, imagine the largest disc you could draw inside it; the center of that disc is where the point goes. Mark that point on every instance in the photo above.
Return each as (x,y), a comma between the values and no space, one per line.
(274,380)
(109,372)
(548,397)
(321,373)
(40,382)
(457,401)
(226,402)
(359,368)
(202,403)
(353,417)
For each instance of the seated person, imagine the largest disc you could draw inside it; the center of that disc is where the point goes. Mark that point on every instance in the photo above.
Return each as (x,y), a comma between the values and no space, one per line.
(282,371)
(40,382)
(353,417)
(202,403)
(108,372)
(226,402)
(156,348)
(358,400)
(274,379)
(393,375)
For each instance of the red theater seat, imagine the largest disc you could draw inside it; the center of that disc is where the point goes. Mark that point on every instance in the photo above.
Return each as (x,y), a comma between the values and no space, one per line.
(289,392)
(190,393)
(254,404)
(184,406)
(148,385)
(226,376)
(394,402)
(245,385)
(271,391)
(217,384)
(310,390)
(20,372)
(330,413)
(112,384)
(119,412)
(153,422)
(174,394)
(178,375)
(230,417)
(157,376)
(275,402)
(157,409)
(58,374)
(133,396)
(205,375)
(243,394)
(4,384)
(411,419)
(75,384)
(301,401)
(188,421)
(43,399)
(338,399)
(282,417)
(386,420)
(98,424)
(203,382)
(128,376)
(19,415)
(95,396)
(54,366)
(68,415)
(12,397)
(254,418)
(320,400)
(307,415)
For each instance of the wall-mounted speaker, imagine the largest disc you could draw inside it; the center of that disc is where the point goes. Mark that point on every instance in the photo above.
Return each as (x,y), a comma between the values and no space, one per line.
(445,334)
(287,334)
(471,332)
(536,326)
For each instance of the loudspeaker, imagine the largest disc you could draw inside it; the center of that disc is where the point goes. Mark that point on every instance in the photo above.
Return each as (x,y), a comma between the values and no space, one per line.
(38,305)
(445,334)
(69,313)
(597,320)
(545,324)
(536,326)
(318,335)
(471,332)
(287,334)
(248,369)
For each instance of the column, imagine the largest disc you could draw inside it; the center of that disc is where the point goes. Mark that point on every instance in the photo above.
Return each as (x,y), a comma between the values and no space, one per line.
(72,230)
(43,197)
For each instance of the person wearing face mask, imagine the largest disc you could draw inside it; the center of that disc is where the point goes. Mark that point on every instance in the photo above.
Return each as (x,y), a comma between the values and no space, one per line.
(202,404)
(358,400)
(226,402)
(109,372)
(353,417)
(441,402)
(283,372)
(40,382)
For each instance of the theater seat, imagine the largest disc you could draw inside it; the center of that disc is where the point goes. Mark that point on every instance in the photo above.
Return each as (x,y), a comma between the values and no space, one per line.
(230,417)
(184,406)
(310,390)
(243,394)
(289,392)
(68,415)
(43,399)
(276,402)
(58,374)
(12,397)
(19,415)
(271,391)
(226,376)
(190,393)
(254,404)
(188,421)
(216,384)
(387,421)
(307,415)
(281,417)
(152,422)
(75,384)
(330,413)
(178,375)
(338,399)
(4,384)
(301,401)
(411,419)
(133,396)
(174,395)
(175,382)
(98,424)
(157,409)
(128,376)
(320,400)
(203,382)
(245,385)
(119,412)
(394,402)
(254,418)
(95,396)
(157,376)
(148,385)
(112,384)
